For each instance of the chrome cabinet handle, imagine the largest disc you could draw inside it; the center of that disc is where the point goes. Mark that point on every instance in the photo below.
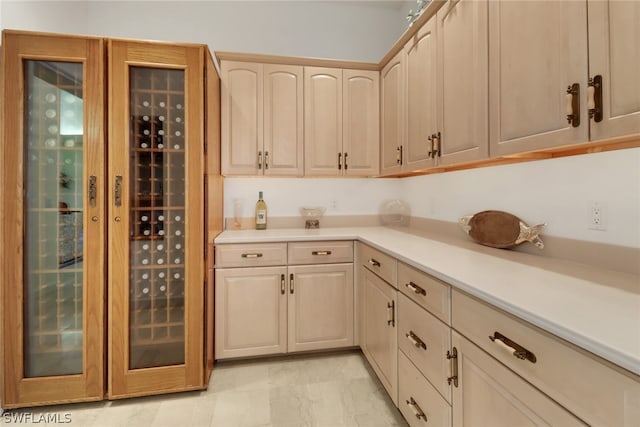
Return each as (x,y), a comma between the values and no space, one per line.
(373,262)
(416,289)
(453,356)
(415,340)
(254,255)
(518,351)
(573,105)
(416,409)
(321,253)
(391,308)
(291,283)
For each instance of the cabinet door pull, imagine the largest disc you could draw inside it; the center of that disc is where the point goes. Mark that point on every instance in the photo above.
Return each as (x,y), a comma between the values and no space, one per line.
(259,159)
(416,289)
(453,356)
(339,161)
(118,191)
(373,262)
(401,153)
(430,145)
(346,165)
(254,255)
(398,156)
(266,160)
(391,309)
(416,409)
(321,253)
(92,191)
(411,336)
(282,284)
(573,105)
(594,103)
(291,283)
(436,145)
(518,351)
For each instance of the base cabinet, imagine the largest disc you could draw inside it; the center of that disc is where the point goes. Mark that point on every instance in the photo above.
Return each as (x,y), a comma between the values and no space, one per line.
(280,309)
(251,312)
(379,338)
(488,393)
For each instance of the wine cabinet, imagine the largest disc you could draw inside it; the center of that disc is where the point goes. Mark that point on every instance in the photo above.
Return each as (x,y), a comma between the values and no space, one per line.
(103,278)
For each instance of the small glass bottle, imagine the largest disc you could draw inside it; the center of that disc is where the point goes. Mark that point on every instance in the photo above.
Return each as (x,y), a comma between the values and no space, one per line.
(261,213)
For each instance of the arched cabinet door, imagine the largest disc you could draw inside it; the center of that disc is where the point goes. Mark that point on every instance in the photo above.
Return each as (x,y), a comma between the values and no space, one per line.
(53,219)
(155,224)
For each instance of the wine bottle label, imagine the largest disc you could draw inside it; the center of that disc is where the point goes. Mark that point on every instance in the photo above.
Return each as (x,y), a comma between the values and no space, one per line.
(261,217)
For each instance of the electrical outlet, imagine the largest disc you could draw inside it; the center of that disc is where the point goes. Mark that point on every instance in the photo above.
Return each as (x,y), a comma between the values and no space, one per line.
(597,216)
(334,204)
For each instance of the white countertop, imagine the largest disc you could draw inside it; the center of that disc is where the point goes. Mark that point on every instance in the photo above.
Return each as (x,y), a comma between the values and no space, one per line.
(596,309)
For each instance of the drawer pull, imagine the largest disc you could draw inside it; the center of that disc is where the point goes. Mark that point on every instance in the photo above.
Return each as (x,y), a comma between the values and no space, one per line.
(416,409)
(416,289)
(453,356)
(256,255)
(411,336)
(391,307)
(518,351)
(373,262)
(321,253)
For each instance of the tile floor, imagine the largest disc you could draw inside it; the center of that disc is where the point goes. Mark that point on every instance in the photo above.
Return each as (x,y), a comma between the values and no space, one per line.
(335,389)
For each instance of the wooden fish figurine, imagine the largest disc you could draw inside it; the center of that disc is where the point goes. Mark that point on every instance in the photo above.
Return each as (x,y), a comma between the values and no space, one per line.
(499,229)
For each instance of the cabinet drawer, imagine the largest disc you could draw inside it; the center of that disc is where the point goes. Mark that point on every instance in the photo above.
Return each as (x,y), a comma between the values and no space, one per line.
(416,396)
(592,389)
(251,255)
(425,340)
(320,252)
(426,291)
(382,264)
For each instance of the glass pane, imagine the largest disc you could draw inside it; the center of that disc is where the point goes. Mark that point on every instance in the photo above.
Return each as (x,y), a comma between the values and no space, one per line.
(157,218)
(53,267)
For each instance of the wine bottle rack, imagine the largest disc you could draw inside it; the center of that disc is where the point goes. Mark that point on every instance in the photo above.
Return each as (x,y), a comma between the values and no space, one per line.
(157,217)
(53,219)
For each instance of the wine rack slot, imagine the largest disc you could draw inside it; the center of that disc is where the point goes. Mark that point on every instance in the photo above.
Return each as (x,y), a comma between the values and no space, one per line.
(157,219)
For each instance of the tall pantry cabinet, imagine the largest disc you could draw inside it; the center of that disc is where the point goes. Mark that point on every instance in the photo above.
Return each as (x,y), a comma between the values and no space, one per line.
(103,242)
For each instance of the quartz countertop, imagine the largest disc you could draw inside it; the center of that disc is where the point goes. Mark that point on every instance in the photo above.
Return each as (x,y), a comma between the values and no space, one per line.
(595,309)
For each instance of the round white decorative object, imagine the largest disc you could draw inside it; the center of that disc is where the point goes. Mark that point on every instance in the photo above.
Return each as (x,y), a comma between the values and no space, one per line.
(161,232)
(144,218)
(163,288)
(178,218)
(178,133)
(50,97)
(161,275)
(146,132)
(144,145)
(145,118)
(145,247)
(162,104)
(178,233)
(176,261)
(69,143)
(147,232)
(145,276)
(50,113)
(179,106)
(145,261)
(50,142)
(160,132)
(53,129)
(160,247)
(176,146)
(145,290)
(176,276)
(160,217)
(161,118)
(145,103)
(178,246)
(160,146)
(160,261)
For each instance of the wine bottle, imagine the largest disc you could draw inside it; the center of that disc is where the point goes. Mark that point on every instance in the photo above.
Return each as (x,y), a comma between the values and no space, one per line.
(261,213)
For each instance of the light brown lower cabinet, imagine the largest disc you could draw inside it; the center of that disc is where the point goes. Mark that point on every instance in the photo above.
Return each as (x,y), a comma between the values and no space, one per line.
(281,309)
(490,394)
(379,339)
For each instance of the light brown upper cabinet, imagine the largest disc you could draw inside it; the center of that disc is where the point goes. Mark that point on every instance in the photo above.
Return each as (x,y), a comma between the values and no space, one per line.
(463,133)
(262,121)
(422,106)
(530,98)
(341,122)
(445,96)
(614,54)
(392,115)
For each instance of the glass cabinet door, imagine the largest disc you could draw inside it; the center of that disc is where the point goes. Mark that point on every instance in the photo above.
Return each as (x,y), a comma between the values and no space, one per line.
(156,186)
(53,285)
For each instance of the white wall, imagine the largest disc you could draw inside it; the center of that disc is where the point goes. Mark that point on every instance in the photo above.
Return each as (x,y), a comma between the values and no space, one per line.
(49,16)
(285,196)
(362,31)
(554,191)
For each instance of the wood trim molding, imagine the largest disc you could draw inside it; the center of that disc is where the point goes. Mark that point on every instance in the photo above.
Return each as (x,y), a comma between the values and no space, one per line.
(293,60)
(611,144)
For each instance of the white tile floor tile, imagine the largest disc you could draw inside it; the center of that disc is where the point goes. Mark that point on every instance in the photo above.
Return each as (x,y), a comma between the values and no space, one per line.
(323,390)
